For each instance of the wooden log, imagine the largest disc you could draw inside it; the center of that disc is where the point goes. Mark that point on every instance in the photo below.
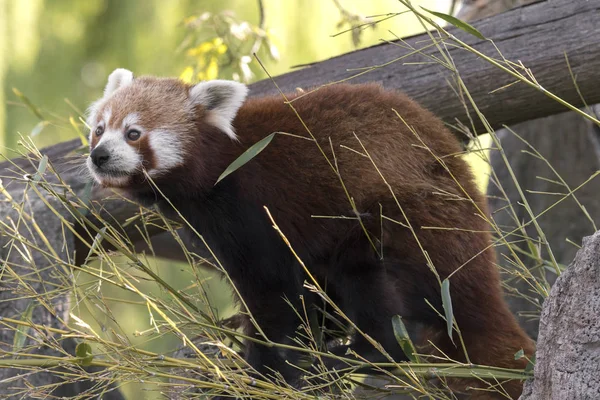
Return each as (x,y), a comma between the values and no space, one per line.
(539,35)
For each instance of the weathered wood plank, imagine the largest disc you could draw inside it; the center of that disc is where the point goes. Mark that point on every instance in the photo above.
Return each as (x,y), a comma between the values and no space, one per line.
(539,35)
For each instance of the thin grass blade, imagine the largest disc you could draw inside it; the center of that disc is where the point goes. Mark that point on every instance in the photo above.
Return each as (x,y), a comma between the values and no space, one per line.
(457,23)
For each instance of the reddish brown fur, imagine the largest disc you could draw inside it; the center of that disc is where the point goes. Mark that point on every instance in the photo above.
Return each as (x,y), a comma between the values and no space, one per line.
(291,165)
(292,178)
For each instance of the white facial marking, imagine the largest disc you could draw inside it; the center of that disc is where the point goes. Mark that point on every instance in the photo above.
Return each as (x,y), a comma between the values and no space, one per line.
(130,119)
(222,99)
(106,116)
(123,159)
(167,149)
(118,78)
(91,121)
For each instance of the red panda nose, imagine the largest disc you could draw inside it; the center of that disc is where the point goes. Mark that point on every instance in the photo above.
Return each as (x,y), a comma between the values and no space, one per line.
(99,156)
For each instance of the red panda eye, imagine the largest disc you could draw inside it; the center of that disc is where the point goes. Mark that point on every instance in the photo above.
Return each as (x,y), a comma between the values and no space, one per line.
(133,134)
(99,130)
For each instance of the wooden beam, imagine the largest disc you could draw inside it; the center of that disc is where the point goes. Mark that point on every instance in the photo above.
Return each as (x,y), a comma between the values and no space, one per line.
(539,35)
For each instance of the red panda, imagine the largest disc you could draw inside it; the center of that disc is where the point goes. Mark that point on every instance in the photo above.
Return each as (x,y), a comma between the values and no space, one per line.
(410,194)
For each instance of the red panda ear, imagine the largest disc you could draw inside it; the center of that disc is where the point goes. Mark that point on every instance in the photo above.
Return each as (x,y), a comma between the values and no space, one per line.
(222,99)
(118,78)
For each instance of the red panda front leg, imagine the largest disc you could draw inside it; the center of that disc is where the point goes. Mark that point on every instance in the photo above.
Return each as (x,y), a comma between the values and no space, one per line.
(367,294)
(263,270)
(277,320)
(370,300)
(265,299)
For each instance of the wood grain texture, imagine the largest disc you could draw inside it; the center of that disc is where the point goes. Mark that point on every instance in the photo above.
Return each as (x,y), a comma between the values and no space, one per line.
(539,35)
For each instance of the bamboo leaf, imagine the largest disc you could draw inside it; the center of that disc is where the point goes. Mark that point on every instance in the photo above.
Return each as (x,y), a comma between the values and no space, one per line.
(530,364)
(38,128)
(447,304)
(403,338)
(95,244)
(41,169)
(86,196)
(246,156)
(457,23)
(84,351)
(519,354)
(22,330)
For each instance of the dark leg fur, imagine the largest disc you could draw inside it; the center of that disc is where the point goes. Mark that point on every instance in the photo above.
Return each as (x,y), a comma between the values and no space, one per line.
(368,296)
(260,265)
(278,322)
(370,301)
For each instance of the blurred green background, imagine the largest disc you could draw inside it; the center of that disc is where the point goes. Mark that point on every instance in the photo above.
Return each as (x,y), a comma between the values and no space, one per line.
(53,50)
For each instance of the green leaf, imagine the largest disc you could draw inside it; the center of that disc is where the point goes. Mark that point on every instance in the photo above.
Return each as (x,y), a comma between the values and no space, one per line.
(519,354)
(535,251)
(403,338)
(41,169)
(246,156)
(84,351)
(38,128)
(87,361)
(447,304)
(457,23)
(316,329)
(23,330)
(95,244)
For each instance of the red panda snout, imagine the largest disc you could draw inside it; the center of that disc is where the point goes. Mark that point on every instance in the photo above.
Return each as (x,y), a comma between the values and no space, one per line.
(115,155)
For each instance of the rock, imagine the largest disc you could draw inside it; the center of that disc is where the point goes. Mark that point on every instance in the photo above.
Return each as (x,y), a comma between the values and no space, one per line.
(568,348)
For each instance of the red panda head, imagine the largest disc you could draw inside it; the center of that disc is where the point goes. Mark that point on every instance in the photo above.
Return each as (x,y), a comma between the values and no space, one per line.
(149,124)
